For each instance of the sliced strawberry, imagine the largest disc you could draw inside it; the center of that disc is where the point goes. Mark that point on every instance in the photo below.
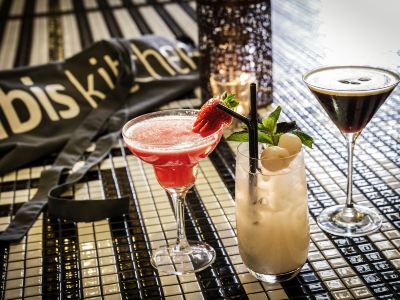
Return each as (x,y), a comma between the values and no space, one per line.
(210,118)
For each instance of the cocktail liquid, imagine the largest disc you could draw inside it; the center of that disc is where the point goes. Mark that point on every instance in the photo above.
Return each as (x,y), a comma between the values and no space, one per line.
(169,144)
(351,95)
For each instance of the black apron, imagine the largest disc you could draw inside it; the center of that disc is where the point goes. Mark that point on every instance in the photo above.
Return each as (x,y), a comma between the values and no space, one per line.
(65,106)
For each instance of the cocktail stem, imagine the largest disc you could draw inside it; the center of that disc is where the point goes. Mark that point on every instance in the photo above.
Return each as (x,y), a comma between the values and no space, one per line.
(351,140)
(178,198)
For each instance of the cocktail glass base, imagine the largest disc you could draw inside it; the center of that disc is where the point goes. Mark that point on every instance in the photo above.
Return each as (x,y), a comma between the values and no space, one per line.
(349,222)
(276,277)
(194,258)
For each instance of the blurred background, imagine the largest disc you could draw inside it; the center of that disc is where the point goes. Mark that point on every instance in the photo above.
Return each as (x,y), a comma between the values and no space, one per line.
(360,32)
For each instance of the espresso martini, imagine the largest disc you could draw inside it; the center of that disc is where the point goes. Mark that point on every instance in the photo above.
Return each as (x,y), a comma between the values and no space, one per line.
(350,95)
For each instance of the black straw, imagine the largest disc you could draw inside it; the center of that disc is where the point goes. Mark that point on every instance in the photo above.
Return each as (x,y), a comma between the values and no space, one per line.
(234,114)
(253,136)
(251,124)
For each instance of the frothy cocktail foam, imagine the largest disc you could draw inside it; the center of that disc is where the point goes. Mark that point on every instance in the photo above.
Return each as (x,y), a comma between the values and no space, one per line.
(351,81)
(165,134)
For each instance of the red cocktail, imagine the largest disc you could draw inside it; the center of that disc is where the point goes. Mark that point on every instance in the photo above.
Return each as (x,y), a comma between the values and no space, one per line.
(168,143)
(165,140)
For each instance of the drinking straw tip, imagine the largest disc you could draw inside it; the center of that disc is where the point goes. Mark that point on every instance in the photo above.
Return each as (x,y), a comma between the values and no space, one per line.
(253,130)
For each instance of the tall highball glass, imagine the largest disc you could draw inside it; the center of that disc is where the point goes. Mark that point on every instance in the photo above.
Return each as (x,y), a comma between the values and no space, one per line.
(272,216)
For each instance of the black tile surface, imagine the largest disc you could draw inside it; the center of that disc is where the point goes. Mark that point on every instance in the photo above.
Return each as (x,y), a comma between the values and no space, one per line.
(111,258)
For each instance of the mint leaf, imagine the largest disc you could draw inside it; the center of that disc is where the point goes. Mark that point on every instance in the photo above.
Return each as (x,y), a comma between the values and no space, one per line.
(283,127)
(240,136)
(243,136)
(229,100)
(275,139)
(260,126)
(305,138)
(269,130)
(270,121)
(264,138)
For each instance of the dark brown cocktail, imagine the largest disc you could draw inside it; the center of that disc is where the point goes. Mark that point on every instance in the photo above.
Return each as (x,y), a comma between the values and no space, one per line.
(353,112)
(350,95)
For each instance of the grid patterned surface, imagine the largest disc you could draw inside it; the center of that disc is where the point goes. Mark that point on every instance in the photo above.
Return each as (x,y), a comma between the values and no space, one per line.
(109,259)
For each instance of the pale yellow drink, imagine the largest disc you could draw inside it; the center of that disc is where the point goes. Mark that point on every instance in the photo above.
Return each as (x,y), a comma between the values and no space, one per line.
(272,218)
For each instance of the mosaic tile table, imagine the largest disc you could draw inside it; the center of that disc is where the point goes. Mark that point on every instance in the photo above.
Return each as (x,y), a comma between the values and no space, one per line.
(110,259)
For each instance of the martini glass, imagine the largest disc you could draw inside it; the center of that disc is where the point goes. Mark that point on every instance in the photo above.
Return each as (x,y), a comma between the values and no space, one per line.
(165,140)
(350,95)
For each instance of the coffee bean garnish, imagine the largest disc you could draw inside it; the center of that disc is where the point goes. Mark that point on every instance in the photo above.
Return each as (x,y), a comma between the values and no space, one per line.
(344,81)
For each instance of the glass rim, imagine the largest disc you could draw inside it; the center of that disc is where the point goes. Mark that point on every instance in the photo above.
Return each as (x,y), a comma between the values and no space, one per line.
(308,73)
(258,160)
(164,147)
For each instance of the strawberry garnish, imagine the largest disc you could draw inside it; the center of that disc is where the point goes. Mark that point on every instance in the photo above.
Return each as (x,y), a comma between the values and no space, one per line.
(210,118)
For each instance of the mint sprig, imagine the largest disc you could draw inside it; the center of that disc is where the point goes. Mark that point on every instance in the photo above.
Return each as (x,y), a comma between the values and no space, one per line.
(268,124)
(269,131)
(243,136)
(240,136)
(229,100)
(304,137)
(284,127)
